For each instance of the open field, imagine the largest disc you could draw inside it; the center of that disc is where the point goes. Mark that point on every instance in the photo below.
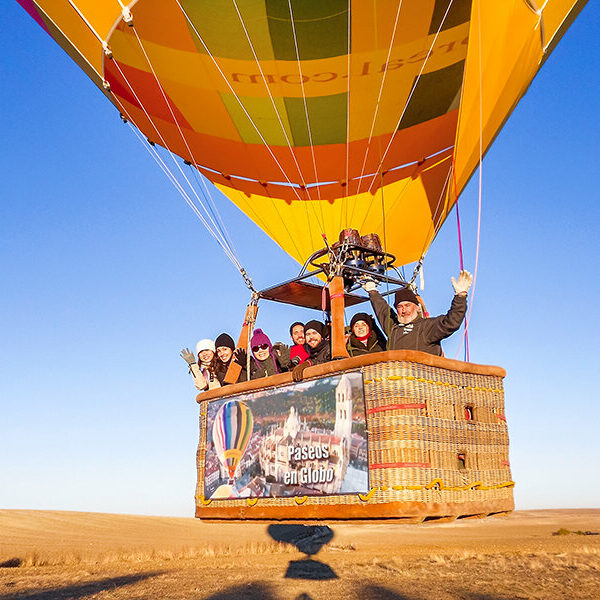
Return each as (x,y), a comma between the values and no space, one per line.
(50,555)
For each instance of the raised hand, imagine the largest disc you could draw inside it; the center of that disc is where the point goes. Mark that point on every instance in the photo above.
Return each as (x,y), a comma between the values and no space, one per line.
(187,355)
(240,356)
(369,285)
(463,283)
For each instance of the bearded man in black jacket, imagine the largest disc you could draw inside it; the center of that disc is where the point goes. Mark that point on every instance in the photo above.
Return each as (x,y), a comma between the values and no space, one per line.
(408,329)
(319,345)
(319,348)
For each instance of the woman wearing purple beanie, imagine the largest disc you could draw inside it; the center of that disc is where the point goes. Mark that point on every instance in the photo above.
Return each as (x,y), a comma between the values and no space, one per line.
(266,359)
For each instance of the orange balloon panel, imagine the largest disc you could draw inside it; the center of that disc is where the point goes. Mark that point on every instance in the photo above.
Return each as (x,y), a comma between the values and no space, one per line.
(318,115)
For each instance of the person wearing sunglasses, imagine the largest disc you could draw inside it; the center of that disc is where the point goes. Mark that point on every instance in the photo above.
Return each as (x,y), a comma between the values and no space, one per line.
(267,358)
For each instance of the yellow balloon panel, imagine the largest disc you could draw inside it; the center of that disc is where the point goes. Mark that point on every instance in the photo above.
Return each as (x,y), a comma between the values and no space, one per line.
(318,115)
(407,214)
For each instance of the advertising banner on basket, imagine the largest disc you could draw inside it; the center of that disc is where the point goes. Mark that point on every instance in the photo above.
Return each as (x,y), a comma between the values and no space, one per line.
(304,439)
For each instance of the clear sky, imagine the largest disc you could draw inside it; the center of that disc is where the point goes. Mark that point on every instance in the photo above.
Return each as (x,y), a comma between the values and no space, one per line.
(106,274)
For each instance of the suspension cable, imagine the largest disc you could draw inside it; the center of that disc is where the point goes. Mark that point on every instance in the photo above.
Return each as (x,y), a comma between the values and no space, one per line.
(414,86)
(283,129)
(308,127)
(479,192)
(379,95)
(212,229)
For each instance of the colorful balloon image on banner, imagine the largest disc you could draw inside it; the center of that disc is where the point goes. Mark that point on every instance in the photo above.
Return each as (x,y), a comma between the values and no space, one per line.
(231,434)
(303,439)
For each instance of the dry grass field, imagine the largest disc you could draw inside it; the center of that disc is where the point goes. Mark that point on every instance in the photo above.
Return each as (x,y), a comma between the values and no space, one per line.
(65,555)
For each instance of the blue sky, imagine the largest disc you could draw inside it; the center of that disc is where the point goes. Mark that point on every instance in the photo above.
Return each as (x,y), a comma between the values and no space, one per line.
(106,274)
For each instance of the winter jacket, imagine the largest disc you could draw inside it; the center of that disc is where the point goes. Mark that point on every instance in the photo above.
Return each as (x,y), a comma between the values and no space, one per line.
(423,334)
(203,378)
(299,350)
(222,372)
(357,348)
(321,354)
(277,362)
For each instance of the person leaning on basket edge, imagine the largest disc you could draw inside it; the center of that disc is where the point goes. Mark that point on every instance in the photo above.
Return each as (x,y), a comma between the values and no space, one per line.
(409,329)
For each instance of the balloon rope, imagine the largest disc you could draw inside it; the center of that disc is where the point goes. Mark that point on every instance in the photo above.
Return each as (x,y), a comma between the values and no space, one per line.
(241,104)
(381,84)
(214,229)
(460,246)
(435,226)
(412,91)
(480,187)
(460,250)
(260,135)
(480,193)
(344,211)
(283,129)
(159,161)
(308,127)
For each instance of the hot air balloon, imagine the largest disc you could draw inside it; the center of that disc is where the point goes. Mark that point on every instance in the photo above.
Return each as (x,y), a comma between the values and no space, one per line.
(316,117)
(231,433)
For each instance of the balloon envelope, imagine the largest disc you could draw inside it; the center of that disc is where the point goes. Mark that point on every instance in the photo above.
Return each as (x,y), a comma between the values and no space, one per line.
(318,115)
(231,433)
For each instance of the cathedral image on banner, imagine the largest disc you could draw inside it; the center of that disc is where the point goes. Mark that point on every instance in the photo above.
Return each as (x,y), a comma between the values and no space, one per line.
(303,439)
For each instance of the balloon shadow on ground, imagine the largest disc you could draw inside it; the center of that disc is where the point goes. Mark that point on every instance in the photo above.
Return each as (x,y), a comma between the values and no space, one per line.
(309,569)
(308,539)
(80,590)
(251,591)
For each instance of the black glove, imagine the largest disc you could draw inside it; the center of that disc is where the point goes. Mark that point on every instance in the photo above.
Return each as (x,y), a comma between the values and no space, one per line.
(240,356)
(282,353)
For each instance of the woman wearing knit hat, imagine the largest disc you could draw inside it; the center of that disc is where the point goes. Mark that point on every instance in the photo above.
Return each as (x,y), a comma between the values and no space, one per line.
(267,358)
(225,346)
(365,336)
(204,367)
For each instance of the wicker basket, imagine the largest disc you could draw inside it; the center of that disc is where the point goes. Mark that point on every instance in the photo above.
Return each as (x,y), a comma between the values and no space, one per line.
(437,444)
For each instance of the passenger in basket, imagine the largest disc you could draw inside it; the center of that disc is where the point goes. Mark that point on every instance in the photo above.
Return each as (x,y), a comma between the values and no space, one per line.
(299,348)
(225,347)
(365,336)
(318,342)
(319,348)
(204,368)
(267,359)
(409,329)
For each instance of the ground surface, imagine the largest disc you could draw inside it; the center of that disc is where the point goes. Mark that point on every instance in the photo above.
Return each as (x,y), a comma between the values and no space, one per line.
(65,555)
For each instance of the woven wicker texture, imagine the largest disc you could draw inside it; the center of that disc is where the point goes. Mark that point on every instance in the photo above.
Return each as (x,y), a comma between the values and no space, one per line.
(434,436)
